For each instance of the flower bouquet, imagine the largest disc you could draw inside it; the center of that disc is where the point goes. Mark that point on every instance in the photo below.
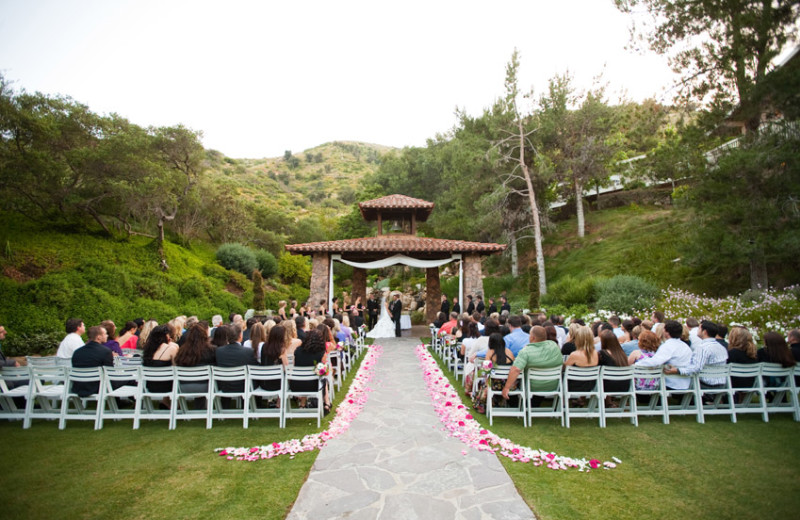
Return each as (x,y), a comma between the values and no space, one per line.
(486,367)
(321,370)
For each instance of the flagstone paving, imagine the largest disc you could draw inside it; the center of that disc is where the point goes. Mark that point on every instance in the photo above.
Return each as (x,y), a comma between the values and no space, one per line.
(395,462)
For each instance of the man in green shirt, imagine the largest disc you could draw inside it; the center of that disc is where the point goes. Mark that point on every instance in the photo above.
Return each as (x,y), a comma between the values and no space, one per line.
(539,353)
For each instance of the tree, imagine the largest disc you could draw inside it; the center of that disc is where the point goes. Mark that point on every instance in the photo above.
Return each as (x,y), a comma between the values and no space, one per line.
(721,47)
(577,141)
(724,50)
(181,156)
(512,151)
(747,210)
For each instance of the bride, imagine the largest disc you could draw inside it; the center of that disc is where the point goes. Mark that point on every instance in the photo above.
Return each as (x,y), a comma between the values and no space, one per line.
(385,327)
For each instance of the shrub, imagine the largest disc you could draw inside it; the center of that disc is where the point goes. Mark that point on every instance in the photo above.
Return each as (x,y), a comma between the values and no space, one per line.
(569,290)
(418,318)
(44,343)
(258,290)
(193,288)
(626,294)
(267,263)
(237,257)
(294,269)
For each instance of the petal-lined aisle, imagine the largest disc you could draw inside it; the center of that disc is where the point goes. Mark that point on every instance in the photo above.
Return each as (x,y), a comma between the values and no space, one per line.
(460,423)
(396,460)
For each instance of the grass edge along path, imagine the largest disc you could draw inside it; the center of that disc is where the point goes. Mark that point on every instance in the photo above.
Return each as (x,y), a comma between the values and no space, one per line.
(152,472)
(348,409)
(747,470)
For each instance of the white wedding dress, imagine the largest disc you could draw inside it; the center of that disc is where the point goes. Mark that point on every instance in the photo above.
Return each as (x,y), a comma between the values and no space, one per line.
(385,327)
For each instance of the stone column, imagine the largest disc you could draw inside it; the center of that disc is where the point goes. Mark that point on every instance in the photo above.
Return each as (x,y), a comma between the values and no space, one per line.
(320,279)
(433,294)
(473,276)
(359,285)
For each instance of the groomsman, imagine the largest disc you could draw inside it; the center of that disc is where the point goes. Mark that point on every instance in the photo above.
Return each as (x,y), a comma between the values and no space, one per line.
(373,308)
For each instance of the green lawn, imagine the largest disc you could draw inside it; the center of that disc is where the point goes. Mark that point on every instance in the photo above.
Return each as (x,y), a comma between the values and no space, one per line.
(681,470)
(152,472)
(750,469)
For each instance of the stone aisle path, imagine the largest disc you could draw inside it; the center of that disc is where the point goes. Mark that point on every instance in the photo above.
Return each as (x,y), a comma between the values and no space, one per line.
(395,462)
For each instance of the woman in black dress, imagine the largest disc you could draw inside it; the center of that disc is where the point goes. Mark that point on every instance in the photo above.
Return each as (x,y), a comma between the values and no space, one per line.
(309,354)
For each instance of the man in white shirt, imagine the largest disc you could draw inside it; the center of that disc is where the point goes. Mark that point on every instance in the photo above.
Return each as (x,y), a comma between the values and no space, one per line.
(709,352)
(72,341)
(672,352)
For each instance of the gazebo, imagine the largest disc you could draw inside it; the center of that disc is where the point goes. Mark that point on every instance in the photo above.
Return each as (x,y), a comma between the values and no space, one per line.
(397,245)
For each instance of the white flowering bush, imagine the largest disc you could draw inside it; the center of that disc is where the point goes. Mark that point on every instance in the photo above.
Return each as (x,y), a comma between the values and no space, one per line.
(776,310)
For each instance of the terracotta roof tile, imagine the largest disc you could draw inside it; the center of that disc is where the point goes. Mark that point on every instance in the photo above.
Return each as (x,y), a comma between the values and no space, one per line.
(396,244)
(396,201)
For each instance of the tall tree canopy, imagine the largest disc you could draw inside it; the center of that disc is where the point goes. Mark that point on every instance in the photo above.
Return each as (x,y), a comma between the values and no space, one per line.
(722,48)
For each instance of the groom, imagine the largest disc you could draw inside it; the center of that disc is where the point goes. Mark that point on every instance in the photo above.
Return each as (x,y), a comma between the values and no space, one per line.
(396,309)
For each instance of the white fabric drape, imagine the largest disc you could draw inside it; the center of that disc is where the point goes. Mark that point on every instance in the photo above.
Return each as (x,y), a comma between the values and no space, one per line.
(398,259)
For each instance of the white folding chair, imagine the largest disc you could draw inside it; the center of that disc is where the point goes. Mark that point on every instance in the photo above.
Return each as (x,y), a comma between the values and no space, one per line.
(335,360)
(157,385)
(228,385)
(300,375)
(49,385)
(193,385)
(43,361)
(591,376)
(717,400)
(626,395)
(536,377)
(457,363)
(656,397)
(135,361)
(121,378)
(14,384)
(690,401)
(73,406)
(749,392)
(501,374)
(258,378)
(780,389)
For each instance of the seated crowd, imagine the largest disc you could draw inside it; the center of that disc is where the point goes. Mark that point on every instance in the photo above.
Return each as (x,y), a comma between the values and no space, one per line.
(536,341)
(188,342)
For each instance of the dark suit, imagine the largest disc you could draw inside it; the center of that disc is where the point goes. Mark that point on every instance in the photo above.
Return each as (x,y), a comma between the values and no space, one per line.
(480,307)
(234,355)
(470,308)
(397,311)
(93,354)
(373,306)
(446,308)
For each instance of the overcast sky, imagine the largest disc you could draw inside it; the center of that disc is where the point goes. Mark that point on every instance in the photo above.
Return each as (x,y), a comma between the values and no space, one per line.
(258,78)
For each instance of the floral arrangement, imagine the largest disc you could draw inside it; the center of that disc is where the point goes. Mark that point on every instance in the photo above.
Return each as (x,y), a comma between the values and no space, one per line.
(486,367)
(346,412)
(321,370)
(459,423)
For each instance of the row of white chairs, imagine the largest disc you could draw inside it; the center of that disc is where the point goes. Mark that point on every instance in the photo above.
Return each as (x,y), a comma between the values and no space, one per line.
(773,390)
(48,394)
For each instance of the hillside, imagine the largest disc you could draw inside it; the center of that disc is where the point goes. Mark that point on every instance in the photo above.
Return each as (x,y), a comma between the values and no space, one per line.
(323,180)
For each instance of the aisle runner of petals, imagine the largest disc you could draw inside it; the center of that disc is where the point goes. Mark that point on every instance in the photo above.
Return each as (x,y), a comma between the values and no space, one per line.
(460,424)
(346,412)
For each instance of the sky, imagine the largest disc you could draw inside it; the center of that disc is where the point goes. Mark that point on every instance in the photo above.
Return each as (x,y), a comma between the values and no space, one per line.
(259,78)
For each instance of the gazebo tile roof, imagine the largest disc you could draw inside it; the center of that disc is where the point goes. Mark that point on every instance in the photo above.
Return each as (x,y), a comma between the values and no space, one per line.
(396,244)
(396,201)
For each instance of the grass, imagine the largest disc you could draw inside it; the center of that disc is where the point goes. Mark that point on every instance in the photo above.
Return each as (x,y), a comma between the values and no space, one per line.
(152,472)
(682,470)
